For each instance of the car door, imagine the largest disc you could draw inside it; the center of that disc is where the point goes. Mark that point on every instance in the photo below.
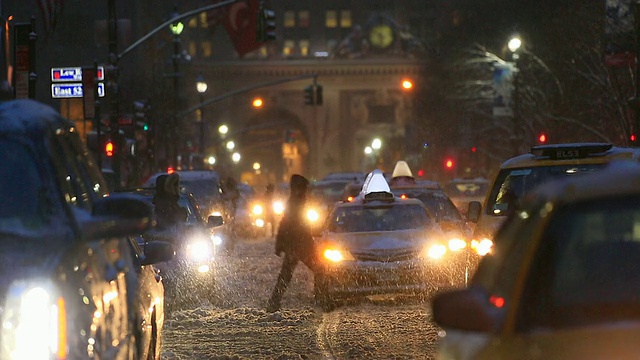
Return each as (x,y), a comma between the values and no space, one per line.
(112,261)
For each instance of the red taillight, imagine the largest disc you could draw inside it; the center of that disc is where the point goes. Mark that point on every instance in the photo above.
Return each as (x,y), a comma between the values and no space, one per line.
(170,170)
(497,301)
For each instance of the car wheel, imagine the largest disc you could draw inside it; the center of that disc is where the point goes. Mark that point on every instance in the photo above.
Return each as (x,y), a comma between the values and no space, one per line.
(323,297)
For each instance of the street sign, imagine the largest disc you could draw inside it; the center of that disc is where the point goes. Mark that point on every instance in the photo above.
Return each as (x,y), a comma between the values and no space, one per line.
(71,90)
(72,74)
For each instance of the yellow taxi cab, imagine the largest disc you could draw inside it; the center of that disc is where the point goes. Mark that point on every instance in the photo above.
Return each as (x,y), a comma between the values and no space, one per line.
(521,174)
(563,281)
(379,244)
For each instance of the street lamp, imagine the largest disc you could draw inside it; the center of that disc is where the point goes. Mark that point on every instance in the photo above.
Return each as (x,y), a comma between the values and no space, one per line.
(236,157)
(201,87)
(376,144)
(230,145)
(176,29)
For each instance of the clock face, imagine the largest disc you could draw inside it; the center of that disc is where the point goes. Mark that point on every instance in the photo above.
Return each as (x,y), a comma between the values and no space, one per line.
(381,36)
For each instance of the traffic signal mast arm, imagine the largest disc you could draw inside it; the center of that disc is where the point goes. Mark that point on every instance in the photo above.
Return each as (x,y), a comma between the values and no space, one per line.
(165,24)
(244,90)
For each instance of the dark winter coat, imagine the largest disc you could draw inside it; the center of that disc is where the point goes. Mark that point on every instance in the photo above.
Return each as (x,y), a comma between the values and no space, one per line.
(294,234)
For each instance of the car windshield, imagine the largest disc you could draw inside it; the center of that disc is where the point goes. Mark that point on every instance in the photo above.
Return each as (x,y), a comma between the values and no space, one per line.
(436,202)
(512,184)
(466,189)
(587,267)
(378,218)
(329,192)
(202,188)
(24,204)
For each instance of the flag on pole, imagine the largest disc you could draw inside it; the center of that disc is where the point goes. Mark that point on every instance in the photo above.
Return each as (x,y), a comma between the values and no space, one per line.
(240,19)
(50,11)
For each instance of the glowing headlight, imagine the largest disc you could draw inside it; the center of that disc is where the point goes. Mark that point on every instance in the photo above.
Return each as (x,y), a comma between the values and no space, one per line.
(482,247)
(456,244)
(257,209)
(34,323)
(216,213)
(437,251)
(278,207)
(312,215)
(335,255)
(216,239)
(199,249)
(259,223)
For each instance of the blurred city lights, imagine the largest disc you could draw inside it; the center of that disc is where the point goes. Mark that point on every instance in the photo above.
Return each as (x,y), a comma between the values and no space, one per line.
(231,145)
(368,150)
(256,166)
(407,84)
(257,103)
(211,160)
(235,157)
(223,129)
(376,144)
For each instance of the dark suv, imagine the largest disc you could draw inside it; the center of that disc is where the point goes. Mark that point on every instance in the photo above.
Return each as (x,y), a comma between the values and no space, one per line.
(67,280)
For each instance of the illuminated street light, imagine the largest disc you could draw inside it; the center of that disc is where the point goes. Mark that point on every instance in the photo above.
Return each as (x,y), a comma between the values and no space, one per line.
(235,157)
(407,84)
(376,144)
(201,87)
(223,129)
(231,145)
(256,166)
(257,103)
(211,160)
(514,44)
(368,150)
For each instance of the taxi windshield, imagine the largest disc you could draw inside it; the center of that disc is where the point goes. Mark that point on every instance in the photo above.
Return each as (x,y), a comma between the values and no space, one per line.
(512,184)
(466,189)
(378,218)
(202,188)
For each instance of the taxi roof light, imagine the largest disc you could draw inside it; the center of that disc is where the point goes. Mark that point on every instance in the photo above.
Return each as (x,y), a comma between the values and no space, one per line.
(570,151)
(376,187)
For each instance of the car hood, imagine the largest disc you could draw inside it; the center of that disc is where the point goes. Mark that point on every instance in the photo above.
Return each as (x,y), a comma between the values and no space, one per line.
(385,245)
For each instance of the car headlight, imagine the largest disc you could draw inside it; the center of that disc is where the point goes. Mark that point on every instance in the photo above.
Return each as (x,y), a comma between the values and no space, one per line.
(199,248)
(215,213)
(482,247)
(216,240)
(457,244)
(34,322)
(257,209)
(278,207)
(312,215)
(436,251)
(336,255)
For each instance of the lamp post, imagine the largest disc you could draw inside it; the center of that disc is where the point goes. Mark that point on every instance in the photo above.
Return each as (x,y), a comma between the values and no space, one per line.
(176,30)
(514,45)
(201,86)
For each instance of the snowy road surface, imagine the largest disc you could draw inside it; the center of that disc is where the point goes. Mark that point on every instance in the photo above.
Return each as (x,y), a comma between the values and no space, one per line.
(232,322)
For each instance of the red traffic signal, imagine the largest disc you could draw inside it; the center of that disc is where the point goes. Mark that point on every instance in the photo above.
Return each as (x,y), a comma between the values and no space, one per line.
(109,148)
(449,164)
(542,138)
(633,137)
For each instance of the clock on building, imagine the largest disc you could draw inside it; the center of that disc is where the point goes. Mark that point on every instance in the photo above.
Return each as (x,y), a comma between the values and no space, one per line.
(381,36)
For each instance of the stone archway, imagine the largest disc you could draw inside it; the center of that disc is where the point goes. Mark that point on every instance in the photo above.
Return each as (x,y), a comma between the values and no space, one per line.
(278,141)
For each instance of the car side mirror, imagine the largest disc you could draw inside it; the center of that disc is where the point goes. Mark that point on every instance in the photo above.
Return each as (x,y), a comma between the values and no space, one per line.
(474,210)
(215,221)
(157,252)
(465,309)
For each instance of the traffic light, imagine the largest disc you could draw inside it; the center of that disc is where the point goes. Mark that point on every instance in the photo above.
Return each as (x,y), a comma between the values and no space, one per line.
(266,29)
(257,103)
(289,136)
(449,163)
(633,138)
(319,95)
(109,148)
(308,95)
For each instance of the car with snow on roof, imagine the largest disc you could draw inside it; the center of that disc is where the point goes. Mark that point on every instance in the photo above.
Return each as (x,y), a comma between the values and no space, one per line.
(379,244)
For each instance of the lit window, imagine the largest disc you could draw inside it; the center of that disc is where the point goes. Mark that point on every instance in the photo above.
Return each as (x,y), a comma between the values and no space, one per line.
(204,20)
(193,49)
(264,52)
(331,20)
(303,19)
(304,47)
(345,18)
(207,48)
(289,19)
(288,47)
(193,22)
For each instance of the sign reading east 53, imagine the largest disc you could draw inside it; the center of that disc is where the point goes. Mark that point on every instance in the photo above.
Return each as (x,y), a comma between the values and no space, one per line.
(72,74)
(71,90)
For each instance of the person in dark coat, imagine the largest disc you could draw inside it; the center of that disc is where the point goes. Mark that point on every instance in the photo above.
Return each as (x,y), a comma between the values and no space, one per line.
(168,211)
(294,239)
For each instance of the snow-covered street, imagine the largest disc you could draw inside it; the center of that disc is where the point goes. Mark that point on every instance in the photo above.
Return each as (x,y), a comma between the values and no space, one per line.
(232,323)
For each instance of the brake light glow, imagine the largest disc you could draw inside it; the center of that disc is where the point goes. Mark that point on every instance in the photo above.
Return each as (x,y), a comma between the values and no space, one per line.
(497,301)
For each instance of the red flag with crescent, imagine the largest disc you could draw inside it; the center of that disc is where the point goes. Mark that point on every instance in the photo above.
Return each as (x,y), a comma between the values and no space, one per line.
(240,19)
